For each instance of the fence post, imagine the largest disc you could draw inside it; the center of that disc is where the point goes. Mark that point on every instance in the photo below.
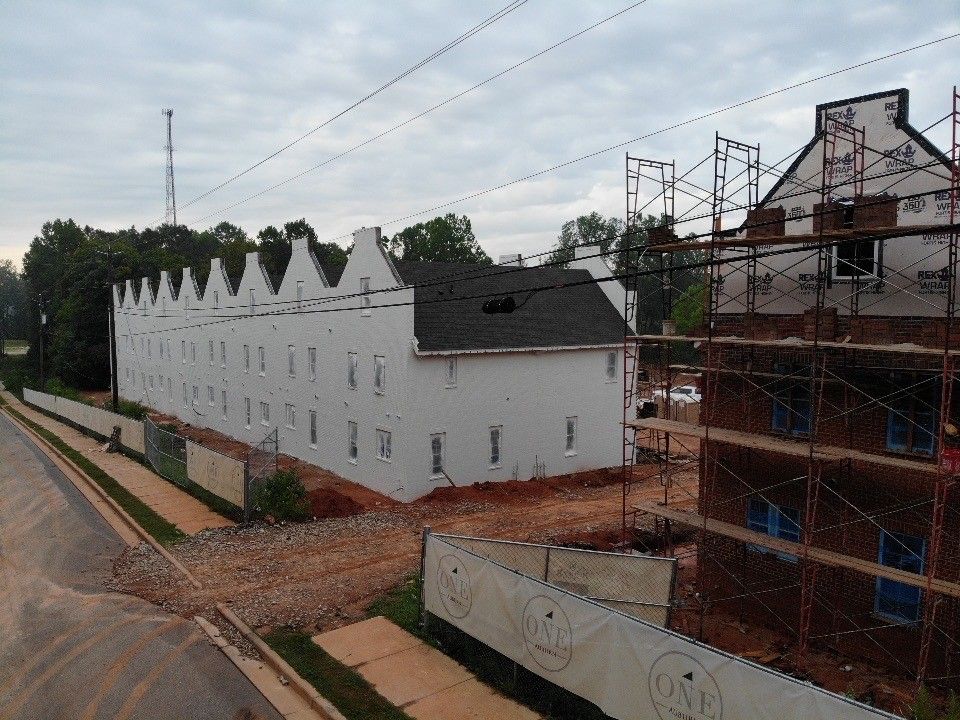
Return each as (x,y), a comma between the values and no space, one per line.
(546,566)
(246,489)
(423,579)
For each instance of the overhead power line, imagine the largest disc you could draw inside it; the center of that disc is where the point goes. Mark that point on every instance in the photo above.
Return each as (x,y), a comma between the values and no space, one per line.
(419,115)
(500,14)
(667,128)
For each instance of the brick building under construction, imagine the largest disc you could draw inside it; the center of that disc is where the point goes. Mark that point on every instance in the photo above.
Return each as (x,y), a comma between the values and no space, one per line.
(827,441)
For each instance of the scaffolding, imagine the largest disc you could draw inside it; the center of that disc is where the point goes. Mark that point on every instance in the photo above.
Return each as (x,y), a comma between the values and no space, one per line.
(828,370)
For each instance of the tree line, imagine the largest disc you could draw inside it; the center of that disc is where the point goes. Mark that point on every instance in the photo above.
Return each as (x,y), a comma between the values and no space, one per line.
(67,272)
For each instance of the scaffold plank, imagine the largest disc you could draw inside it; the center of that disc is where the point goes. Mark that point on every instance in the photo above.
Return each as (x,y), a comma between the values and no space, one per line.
(797,344)
(877,233)
(826,557)
(794,448)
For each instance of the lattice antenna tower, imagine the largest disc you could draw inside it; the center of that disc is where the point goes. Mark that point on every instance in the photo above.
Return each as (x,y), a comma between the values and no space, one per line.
(171,214)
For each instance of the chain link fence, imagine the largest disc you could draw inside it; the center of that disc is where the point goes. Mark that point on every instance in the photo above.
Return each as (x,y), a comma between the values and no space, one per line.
(166,452)
(262,463)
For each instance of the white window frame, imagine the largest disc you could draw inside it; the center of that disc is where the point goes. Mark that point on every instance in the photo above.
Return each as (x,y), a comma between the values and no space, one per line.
(223,354)
(570,441)
(434,472)
(313,428)
(384,445)
(353,451)
(247,407)
(292,360)
(253,301)
(353,363)
(379,374)
(263,361)
(196,396)
(365,299)
(246,358)
(611,367)
(290,416)
(183,350)
(451,379)
(216,300)
(223,403)
(496,431)
(264,413)
(312,362)
(185,404)
(193,352)
(210,347)
(211,396)
(299,293)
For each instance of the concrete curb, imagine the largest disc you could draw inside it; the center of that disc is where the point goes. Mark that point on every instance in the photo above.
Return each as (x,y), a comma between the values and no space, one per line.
(49,449)
(281,667)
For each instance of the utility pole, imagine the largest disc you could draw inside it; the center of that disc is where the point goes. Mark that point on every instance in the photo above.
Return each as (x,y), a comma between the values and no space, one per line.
(43,330)
(171,215)
(111,325)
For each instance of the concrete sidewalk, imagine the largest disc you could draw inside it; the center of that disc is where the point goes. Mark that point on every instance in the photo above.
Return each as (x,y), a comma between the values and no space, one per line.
(421,680)
(162,496)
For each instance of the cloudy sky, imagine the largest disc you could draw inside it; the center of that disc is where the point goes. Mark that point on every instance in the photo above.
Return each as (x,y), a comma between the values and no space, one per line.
(82,86)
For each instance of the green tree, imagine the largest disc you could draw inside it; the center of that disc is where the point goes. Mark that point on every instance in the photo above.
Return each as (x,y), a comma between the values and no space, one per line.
(443,239)
(13,302)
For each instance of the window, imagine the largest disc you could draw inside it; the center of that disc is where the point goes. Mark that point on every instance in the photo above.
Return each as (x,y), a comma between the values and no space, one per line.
(160,383)
(128,374)
(151,382)
(856,258)
(184,394)
(246,410)
(352,441)
(183,350)
(571,446)
(437,442)
(791,402)
(384,449)
(912,415)
(246,358)
(291,415)
(612,366)
(169,390)
(149,354)
(264,413)
(210,395)
(365,298)
(291,360)
(898,601)
(193,352)
(379,374)
(186,306)
(299,293)
(216,300)
(223,354)
(263,362)
(312,362)
(352,370)
(210,343)
(496,437)
(169,356)
(451,372)
(223,403)
(253,301)
(313,428)
(196,395)
(774,520)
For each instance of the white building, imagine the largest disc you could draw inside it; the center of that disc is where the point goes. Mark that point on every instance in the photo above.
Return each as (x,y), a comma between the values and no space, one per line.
(396,390)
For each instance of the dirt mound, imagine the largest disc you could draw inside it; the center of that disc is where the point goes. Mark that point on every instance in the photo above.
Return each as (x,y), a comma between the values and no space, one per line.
(328,503)
(519,491)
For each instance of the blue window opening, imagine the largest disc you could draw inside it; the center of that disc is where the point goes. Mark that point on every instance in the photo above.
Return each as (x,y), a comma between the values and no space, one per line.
(775,520)
(912,415)
(791,403)
(898,601)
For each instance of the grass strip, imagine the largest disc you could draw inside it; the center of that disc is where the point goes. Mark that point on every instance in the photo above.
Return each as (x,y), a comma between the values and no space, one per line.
(162,530)
(350,693)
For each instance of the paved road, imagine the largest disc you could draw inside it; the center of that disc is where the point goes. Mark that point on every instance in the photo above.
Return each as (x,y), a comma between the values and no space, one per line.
(70,648)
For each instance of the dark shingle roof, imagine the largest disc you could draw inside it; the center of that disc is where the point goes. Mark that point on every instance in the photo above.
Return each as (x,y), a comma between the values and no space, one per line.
(561,317)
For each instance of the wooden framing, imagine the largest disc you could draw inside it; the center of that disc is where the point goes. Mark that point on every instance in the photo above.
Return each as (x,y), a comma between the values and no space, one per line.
(825,557)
